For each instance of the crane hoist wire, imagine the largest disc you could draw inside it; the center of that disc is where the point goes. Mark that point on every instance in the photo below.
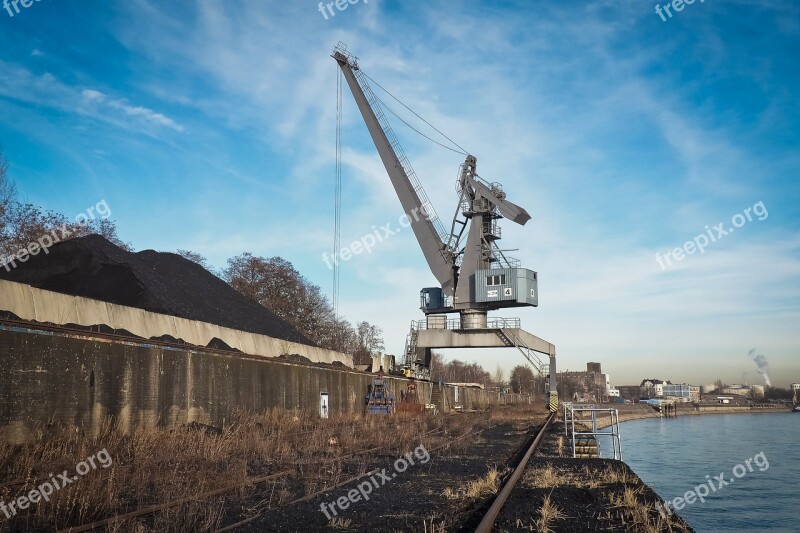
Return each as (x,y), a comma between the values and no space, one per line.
(416,130)
(460,149)
(337,196)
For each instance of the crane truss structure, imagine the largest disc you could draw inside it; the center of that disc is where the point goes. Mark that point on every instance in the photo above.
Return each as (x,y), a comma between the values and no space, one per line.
(474,274)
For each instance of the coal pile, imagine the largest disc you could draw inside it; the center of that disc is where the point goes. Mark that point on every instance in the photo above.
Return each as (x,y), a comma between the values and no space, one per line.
(160,282)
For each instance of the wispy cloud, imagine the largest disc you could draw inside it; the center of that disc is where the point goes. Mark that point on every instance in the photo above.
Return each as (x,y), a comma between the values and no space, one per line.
(100,99)
(46,90)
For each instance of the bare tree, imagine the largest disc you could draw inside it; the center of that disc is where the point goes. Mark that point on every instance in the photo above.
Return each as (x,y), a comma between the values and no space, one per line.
(278,286)
(370,341)
(370,337)
(522,379)
(437,366)
(193,257)
(457,371)
(22,224)
(8,191)
(499,376)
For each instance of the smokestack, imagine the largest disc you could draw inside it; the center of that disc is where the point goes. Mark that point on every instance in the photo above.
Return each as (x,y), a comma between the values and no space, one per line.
(762,364)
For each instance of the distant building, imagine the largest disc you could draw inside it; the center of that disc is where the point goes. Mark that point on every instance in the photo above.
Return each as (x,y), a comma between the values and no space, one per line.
(589,386)
(731,399)
(755,391)
(694,393)
(630,392)
(707,389)
(653,387)
(678,391)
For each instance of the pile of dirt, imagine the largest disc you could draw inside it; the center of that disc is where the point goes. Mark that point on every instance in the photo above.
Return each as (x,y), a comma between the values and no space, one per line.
(160,282)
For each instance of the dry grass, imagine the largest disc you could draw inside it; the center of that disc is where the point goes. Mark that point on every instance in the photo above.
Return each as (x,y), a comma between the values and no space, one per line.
(548,513)
(432,526)
(534,413)
(640,517)
(159,465)
(627,504)
(340,523)
(488,484)
(548,477)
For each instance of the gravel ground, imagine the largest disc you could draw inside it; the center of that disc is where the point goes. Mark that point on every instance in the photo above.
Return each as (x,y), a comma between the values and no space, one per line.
(410,501)
(590,494)
(160,282)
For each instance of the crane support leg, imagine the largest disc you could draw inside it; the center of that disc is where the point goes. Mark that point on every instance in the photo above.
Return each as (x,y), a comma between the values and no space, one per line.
(552,397)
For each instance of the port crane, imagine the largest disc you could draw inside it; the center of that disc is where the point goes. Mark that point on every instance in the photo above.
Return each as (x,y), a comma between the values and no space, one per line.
(474,274)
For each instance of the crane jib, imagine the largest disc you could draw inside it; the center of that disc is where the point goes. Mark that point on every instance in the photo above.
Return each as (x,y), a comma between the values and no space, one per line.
(474,273)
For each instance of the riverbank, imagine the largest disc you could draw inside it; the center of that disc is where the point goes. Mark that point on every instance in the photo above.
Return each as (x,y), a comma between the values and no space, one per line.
(629,412)
(755,453)
(584,495)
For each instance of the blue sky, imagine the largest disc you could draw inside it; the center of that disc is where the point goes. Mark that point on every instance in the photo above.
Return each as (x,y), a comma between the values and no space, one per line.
(210,125)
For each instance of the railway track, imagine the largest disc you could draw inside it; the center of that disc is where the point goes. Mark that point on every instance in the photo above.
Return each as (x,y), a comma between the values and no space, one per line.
(490,516)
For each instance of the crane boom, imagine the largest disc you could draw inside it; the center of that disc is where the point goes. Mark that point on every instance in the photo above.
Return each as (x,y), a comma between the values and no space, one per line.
(433,240)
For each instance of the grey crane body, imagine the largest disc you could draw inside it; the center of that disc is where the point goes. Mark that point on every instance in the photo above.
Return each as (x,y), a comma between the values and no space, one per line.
(473,273)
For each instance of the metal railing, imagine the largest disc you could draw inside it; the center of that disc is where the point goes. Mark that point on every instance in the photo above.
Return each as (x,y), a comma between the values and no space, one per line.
(570,419)
(455,324)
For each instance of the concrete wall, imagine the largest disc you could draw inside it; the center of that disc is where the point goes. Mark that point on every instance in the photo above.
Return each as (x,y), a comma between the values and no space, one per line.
(48,377)
(30,303)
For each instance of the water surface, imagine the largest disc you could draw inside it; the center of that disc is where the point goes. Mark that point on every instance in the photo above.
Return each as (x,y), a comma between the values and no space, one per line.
(675,455)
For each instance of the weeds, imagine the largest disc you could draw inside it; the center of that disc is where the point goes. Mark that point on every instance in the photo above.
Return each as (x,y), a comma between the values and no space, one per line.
(153,466)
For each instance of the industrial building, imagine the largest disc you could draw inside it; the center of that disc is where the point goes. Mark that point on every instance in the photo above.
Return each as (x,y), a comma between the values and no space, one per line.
(590,386)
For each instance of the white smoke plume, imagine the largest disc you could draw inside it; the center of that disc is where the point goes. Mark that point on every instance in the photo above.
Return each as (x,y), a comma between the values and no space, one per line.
(763,365)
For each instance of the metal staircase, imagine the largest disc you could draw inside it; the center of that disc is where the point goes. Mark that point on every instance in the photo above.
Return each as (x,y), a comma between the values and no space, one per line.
(412,367)
(510,339)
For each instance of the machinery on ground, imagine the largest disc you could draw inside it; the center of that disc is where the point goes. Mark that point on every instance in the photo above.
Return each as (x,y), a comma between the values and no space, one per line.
(474,274)
(409,401)
(378,399)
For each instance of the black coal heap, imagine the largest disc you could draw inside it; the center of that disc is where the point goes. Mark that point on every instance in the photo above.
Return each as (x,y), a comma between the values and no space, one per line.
(161,282)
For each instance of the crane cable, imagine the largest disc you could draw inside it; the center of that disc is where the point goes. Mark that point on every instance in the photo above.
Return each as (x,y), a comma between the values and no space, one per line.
(337,196)
(460,149)
(416,130)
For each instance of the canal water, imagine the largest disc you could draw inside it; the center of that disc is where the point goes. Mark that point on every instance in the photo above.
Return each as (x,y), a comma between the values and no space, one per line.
(677,455)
